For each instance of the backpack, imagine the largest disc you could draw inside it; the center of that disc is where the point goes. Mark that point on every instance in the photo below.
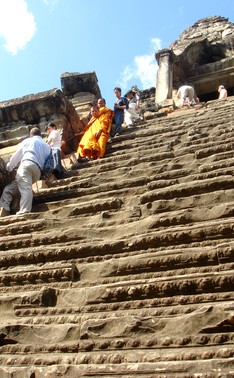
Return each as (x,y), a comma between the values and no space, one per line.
(6,177)
(48,167)
(124,101)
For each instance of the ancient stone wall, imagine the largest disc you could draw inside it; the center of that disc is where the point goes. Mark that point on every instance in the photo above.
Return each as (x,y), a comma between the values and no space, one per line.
(77,82)
(17,116)
(203,57)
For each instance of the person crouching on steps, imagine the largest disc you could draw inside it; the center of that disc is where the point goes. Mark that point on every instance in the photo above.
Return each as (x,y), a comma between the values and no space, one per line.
(30,158)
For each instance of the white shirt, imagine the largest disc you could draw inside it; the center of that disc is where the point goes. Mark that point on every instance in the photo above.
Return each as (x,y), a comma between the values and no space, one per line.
(185,91)
(54,139)
(222,94)
(34,149)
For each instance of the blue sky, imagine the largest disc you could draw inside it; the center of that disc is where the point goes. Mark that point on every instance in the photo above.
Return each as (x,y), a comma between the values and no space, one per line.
(41,39)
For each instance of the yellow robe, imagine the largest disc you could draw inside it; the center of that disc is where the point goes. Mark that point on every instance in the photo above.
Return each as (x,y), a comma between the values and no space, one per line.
(89,142)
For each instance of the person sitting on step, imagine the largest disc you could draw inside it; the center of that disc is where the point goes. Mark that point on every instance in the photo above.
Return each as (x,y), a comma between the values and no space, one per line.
(96,133)
(222,93)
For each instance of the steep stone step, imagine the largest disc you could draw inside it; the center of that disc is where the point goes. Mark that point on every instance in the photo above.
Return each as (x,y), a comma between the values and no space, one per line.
(165,266)
(184,190)
(151,236)
(115,364)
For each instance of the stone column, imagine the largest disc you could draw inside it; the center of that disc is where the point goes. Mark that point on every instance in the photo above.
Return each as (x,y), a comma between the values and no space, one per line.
(164,76)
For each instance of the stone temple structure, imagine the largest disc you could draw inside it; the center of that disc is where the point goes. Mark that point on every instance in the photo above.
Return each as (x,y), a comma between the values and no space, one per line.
(124,268)
(203,57)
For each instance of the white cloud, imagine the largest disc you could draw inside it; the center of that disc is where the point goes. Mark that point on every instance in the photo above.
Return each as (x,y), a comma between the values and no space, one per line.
(144,68)
(17,24)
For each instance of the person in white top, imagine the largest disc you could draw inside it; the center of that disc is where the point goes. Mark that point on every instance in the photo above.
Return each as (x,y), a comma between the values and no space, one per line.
(132,115)
(222,93)
(54,140)
(186,95)
(30,158)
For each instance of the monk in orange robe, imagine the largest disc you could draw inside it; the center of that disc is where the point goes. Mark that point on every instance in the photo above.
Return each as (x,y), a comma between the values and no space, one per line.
(93,142)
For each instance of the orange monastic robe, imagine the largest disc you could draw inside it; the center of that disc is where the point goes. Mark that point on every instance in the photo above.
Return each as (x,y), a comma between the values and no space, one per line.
(89,142)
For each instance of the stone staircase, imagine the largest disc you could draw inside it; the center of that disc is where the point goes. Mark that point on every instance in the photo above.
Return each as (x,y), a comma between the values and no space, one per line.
(125,268)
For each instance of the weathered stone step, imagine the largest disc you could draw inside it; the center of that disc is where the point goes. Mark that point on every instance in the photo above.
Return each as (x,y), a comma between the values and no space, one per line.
(159,303)
(217,283)
(56,251)
(184,190)
(163,137)
(22,226)
(91,188)
(189,128)
(72,272)
(107,364)
(89,207)
(35,274)
(183,158)
(193,282)
(217,165)
(214,232)
(209,151)
(199,344)
(129,272)
(73,236)
(161,308)
(185,211)
(106,163)
(222,176)
(180,187)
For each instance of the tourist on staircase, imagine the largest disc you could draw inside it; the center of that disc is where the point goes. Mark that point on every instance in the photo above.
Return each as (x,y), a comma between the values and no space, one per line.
(120,105)
(54,140)
(132,116)
(30,158)
(96,132)
(187,96)
(222,93)
(106,119)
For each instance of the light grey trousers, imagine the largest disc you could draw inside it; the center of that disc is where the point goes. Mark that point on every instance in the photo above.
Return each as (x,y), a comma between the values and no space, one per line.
(27,173)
